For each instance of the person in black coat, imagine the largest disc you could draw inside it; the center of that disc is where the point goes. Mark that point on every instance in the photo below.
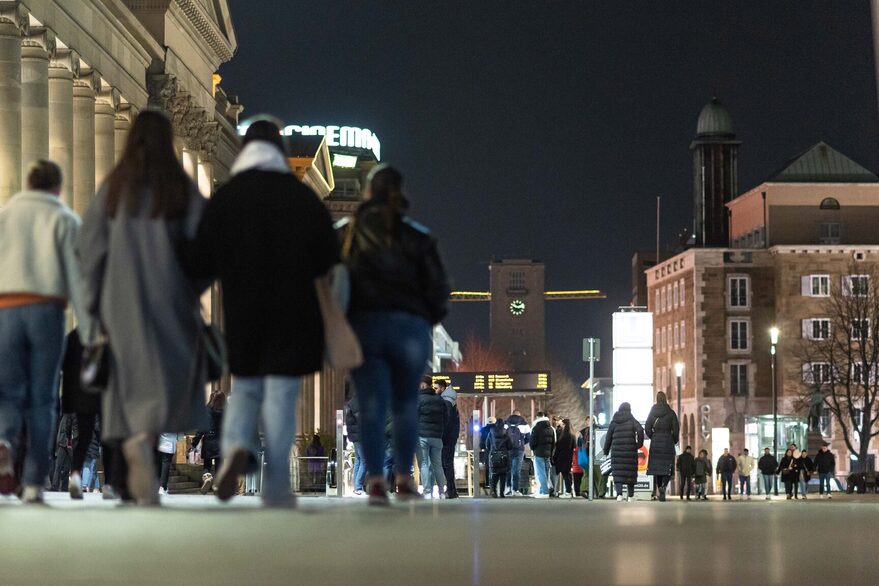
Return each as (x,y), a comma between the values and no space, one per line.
(686,468)
(768,465)
(352,425)
(662,429)
(499,447)
(564,456)
(432,417)
(542,443)
(825,464)
(624,437)
(450,436)
(210,441)
(790,471)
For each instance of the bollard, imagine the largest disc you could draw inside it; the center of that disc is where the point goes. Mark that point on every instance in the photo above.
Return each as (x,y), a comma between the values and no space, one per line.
(474,476)
(340,453)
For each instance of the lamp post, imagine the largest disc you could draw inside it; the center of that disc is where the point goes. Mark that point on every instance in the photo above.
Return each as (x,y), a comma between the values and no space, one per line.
(773,341)
(679,372)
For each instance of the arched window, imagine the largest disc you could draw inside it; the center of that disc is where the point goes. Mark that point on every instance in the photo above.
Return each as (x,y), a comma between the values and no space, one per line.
(829,203)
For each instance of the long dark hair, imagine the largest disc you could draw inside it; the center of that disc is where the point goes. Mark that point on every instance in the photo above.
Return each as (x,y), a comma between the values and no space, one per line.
(661,399)
(149,164)
(386,190)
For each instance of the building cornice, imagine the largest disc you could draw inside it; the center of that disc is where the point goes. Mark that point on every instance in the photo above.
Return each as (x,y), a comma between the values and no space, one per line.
(207,28)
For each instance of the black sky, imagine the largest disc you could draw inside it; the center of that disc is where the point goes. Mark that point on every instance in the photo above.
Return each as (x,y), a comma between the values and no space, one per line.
(546,129)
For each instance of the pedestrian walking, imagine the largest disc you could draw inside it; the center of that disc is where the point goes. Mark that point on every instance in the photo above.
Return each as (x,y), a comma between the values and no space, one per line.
(663,430)
(807,467)
(726,467)
(564,457)
(352,425)
(825,465)
(702,474)
(499,458)
(398,291)
(39,276)
(165,449)
(136,289)
(686,467)
(520,433)
(580,463)
(210,442)
(624,437)
(450,435)
(67,436)
(432,418)
(768,466)
(542,443)
(745,465)
(269,240)
(789,471)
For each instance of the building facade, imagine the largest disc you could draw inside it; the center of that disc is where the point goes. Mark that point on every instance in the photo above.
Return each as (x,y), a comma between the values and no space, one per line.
(517,321)
(73,73)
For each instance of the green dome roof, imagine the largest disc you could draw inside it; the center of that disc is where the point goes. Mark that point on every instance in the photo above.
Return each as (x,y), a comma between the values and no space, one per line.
(714,120)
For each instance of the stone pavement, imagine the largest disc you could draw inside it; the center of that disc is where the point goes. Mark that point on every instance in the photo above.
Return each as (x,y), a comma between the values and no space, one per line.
(195,540)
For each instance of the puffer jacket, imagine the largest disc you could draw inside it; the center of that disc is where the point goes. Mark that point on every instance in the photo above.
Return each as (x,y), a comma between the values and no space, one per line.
(453,424)
(431,414)
(352,420)
(624,437)
(498,441)
(662,429)
(543,438)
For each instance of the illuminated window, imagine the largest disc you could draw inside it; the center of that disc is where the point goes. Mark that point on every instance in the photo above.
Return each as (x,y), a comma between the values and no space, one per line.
(656,306)
(658,340)
(675,294)
(683,334)
(683,293)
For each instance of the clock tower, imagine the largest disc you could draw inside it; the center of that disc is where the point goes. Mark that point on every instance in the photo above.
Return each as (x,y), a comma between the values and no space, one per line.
(517,312)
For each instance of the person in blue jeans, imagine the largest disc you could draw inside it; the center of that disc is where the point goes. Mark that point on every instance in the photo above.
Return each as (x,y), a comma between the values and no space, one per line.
(398,291)
(518,437)
(39,274)
(432,419)
(768,465)
(726,466)
(270,241)
(542,443)
(825,464)
(352,425)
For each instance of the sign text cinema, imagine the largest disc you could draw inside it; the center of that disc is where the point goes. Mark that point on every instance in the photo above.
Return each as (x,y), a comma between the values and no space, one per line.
(341,136)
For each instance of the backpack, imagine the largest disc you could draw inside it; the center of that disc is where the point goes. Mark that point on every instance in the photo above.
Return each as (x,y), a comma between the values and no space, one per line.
(516,439)
(582,454)
(499,461)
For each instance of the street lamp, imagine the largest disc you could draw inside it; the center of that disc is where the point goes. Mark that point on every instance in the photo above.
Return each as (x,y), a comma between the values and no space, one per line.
(679,372)
(773,340)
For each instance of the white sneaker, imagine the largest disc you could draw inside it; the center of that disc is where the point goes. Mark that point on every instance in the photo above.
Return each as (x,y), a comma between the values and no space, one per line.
(163,491)
(630,499)
(517,493)
(32,495)
(108,494)
(541,496)
(74,486)
(619,498)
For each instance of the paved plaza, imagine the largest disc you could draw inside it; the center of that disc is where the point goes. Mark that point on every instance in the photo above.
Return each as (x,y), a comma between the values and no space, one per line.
(194,540)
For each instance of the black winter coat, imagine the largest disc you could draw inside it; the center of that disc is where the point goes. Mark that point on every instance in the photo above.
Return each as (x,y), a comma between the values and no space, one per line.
(726,464)
(431,414)
(789,468)
(210,447)
(498,441)
(662,429)
(542,439)
(453,425)
(564,451)
(686,465)
(73,398)
(806,467)
(767,464)
(352,423)
(825,463)
(624,436)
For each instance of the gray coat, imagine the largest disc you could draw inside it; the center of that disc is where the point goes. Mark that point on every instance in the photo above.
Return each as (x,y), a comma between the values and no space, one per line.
(136,288)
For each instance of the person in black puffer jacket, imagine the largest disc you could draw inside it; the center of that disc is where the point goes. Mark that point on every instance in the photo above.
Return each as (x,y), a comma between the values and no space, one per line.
(662,429)
(564,457)
(499,447)
(624,437)
(542,442)
(432,416)
(450,436)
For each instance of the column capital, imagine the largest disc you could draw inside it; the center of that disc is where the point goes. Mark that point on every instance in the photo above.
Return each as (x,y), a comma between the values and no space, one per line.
(14,13)
(87,80)
(109,97)
(125,112)
(38,43)
(64,59)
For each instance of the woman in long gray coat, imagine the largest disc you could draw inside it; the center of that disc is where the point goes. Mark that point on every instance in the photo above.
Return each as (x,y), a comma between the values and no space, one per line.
(663,430)
(148,309)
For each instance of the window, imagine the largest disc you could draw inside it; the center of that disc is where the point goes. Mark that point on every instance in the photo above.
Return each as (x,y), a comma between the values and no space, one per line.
(859,373)
(517,280)
(683,294)
(683,335)
(738,334)
(675,294)
(656,306)
(829,203)
(677,336)
(816,373)
(738,378)
(816,328)
(860,329)
(829,233)
(815,285)
(738,291)
(658,341)
(663,299)
(856,285)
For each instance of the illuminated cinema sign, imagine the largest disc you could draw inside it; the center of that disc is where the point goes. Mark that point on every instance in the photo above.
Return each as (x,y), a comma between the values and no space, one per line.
(337,136)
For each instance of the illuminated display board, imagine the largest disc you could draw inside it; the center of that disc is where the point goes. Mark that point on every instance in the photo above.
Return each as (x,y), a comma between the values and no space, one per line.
(337,136)
(489,383)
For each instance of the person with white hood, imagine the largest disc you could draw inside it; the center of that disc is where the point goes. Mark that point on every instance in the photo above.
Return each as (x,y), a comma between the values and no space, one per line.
(268,238)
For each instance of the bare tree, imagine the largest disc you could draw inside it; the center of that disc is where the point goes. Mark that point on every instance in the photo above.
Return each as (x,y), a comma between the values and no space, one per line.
(477,356)
(840,356)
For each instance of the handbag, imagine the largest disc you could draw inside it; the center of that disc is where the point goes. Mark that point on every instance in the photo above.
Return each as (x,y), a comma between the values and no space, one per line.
(605,465)
(94,372)
(341,345)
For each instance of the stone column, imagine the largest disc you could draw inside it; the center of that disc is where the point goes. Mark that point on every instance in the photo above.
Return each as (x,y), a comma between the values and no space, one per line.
(63,66)
(13,20)
(122,125)
(205,175)
(36,48)
(84,89)
(105,132)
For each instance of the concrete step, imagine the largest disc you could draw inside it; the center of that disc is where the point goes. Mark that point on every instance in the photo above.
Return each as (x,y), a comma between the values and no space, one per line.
(178,486)
(172,490)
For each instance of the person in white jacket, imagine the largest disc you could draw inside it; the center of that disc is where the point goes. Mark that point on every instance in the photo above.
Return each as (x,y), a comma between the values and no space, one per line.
(39,275)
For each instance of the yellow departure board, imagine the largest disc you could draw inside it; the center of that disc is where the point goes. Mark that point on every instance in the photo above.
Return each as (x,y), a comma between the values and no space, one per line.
(485,383)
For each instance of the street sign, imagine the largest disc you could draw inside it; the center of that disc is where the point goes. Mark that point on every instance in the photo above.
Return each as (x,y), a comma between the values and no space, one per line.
(591,349)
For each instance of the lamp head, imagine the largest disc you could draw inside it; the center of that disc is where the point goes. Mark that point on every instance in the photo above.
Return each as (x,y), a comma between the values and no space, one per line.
(679,369)
(773,335)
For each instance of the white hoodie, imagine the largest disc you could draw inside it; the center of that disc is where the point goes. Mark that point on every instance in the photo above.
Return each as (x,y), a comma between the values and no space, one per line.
(260,155)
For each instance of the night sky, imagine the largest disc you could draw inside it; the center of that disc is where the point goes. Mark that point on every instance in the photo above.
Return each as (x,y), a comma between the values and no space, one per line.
(546,129)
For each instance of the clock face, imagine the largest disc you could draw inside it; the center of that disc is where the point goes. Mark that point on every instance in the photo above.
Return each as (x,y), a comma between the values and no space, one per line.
(517,307)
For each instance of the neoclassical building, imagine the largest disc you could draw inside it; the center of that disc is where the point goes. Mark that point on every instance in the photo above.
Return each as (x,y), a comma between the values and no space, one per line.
(73,73)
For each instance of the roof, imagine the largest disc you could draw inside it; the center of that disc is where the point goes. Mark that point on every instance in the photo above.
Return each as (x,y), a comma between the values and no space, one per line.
(303,146)
(714,120)
(821,163)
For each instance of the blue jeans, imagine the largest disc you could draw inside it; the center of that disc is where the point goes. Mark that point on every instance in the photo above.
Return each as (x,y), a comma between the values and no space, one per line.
(31,347)
(89,474)
(516,459)
(430,460)
(726,484)
(396,347)
(768,482)
(804,486)
(744,481)
(542,468)
(824,477)
(272,399)
(359,466)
